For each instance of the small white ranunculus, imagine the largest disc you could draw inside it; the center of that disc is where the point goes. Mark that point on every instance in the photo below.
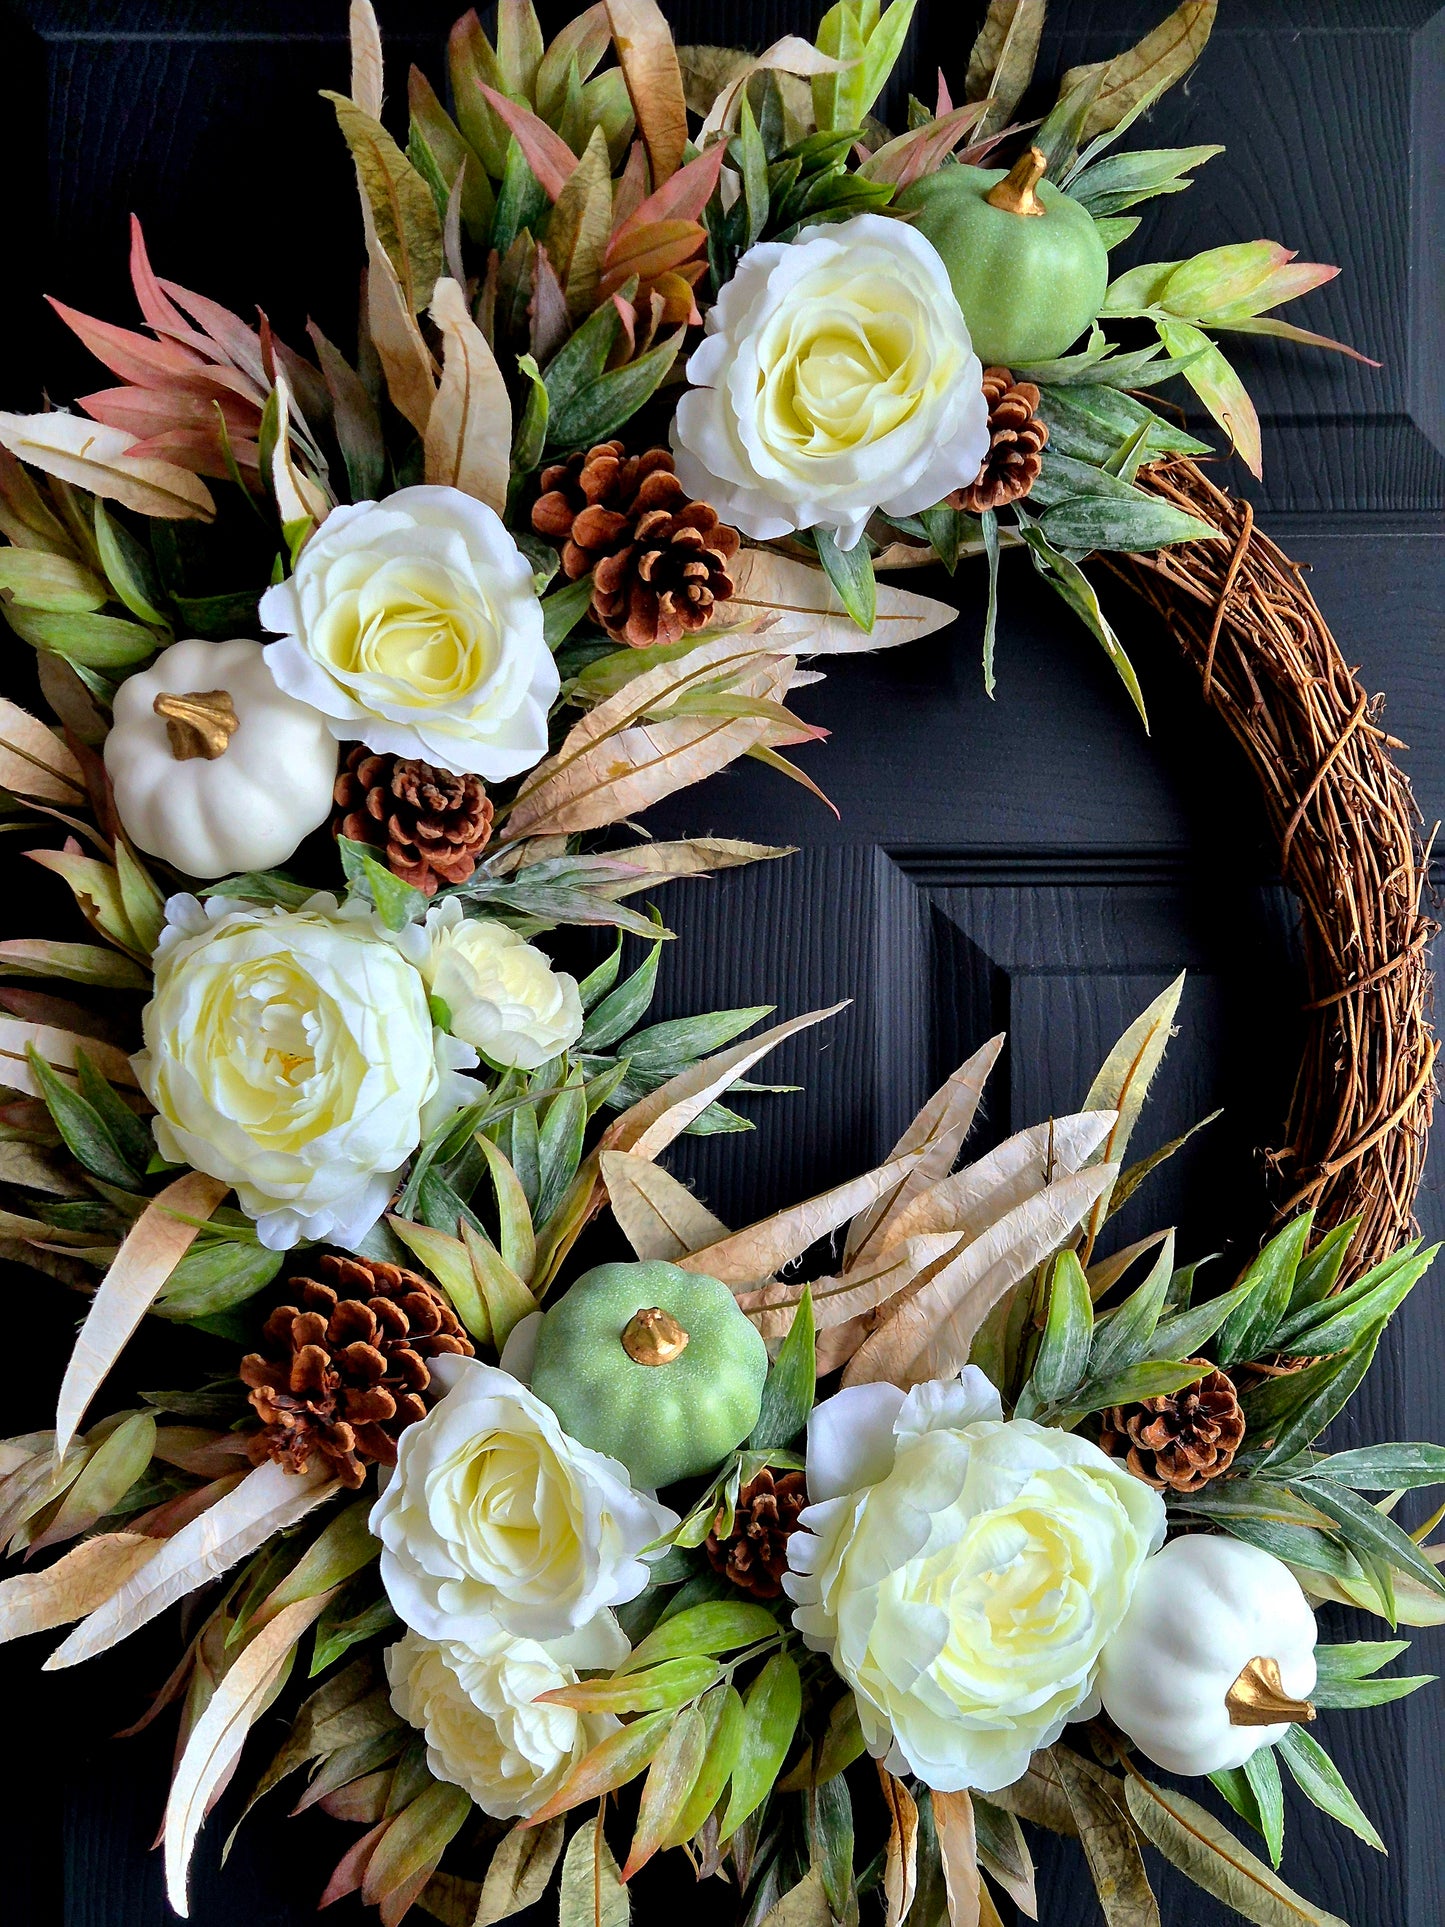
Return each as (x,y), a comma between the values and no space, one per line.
(475,1703)
(501,992)
(413,625)
(964,1571)
(837,377)
(495,1517)
(291,1054)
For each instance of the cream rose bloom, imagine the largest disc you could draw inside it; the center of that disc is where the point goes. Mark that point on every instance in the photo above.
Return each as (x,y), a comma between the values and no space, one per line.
(501,992)
(964,1572)
(476,1706)
(413,624)
(837,377)
(291,1054)
(495,1517)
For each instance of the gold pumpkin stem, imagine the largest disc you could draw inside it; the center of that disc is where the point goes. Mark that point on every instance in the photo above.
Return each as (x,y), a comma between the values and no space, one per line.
(1015,192)
(1258,1698)
(653,1337)
(198,724)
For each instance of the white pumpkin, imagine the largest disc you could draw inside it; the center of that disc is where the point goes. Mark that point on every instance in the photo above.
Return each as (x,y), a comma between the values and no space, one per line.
(1217,1639)
(214,768)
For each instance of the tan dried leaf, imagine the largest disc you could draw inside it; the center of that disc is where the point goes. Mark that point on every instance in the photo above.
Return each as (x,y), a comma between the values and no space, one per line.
(1126,1074)
(900,1865)
(366,61)
(405,359)
(805,1905)
(756,1253)
(1001,64)
(697,858)
(580,225)
(791,59)
(810,618)
(519,1872)
(34,1602)
(657,1214)
(972,1199)
(958,1849)
(403,214)
(1111,1847)
(57,1047)
(1038,1796)
(469,430)
(153,1247)
(97,458)
(34,761)
(648,58)
(1163,56)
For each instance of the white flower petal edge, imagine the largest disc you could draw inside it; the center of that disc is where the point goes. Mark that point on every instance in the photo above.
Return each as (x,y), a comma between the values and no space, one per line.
(413,624)
(837,377)
(495,1517)
(966,1584)
(502,993)
(291,1054)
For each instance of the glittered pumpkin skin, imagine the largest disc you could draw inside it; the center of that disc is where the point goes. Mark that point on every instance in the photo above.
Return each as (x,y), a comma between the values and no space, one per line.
(664,1422)
(1028,285)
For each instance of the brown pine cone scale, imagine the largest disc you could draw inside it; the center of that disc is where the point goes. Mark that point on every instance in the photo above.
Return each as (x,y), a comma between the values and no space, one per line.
(1017,435)
(428,826)
(344,1373)
(1180,1441)
(754,1555)
(660,563)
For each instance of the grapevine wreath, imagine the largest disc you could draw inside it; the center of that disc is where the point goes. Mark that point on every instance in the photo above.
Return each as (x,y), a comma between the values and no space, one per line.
(862,1523)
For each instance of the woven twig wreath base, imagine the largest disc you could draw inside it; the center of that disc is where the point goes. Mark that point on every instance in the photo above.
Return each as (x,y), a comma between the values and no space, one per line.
(1350,848)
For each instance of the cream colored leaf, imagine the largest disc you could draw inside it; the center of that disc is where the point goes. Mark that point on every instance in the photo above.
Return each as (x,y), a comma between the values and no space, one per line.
(34,761)
(931,1332)
(96,458)
(938,1130)
(469,431)
(1127,1072)
(215,1742)
(648,59)
(958,1849)
(972,1199)
(810,618)
(405,359)
(35,1602)
(366,61)
(57,1047)
(749,1256)
(657,1214)
(900,1864)
(153,1247)
(847,1296)
(268,1500)
(297,497)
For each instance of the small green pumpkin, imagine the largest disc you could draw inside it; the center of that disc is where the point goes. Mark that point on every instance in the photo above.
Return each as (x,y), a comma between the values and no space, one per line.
(1027,263)
(653,1365)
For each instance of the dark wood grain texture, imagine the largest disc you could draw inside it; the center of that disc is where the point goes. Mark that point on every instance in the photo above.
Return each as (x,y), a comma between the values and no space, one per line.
(1034,863)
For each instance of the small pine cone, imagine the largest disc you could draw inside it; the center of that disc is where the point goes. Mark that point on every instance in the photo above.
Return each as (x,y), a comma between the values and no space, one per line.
(661,562)
(346,1373)
(1182,1440)
(428,825)
(754,1556)
(1017,435)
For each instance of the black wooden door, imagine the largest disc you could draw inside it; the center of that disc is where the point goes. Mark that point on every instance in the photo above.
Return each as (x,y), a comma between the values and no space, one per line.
(1035,863)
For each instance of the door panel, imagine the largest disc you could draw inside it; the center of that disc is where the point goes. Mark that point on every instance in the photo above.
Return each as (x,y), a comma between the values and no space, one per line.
(1035,864)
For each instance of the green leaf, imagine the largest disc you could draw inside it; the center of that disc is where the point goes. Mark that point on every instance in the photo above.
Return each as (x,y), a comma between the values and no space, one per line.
(1124,1337)
(1090,523)
(53,582)
(89,641)
(828,1829)
(1355,1660)
(1122,180)
(1194,1842)
(770,1713)
(1384,1468)
(617,1012)
(1335,1324)
(1152,1378)
(752,166)
(1065,576)
(395,902)
(559,1144)
(581,359)
(402,208)
(130,1134)
(725,1726)
(1068,1329)
(851,573)
(718,1626)
(1367,1530)
(214,1278)
(672,1683)
(670,1779)
(1062,132)
(1245,1332)
(128,568)
(791,1383)
(600,407)
(1087,424)
(84,1130)
(1320,1781)
(564,609)
(105,1478)
(1319,1269)
(1287,1414)
(338,1632)
(1219,387)
(1187,1332)
(531,436)
(1352,1694)
(1262,1772)
(592,1891)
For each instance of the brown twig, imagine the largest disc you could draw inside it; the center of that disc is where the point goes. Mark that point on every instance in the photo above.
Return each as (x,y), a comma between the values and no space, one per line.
(1350,849)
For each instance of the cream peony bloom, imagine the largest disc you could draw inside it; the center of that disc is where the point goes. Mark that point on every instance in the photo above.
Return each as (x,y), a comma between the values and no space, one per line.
(501,992)
(837,377)
(291,1053)
(495,1517)
(964,1572)
(413,624)
(475,1704)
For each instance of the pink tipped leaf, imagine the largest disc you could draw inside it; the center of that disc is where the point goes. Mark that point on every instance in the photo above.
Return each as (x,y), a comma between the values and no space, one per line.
(546,153)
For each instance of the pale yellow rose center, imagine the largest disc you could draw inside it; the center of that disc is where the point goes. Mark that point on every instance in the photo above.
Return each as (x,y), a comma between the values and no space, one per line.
(281,1060)
(430,634)
(839,374)
(508,1508)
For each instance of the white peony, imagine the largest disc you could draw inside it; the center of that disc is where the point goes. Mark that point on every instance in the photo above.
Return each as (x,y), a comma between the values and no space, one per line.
(476,1705)
(291,1054)
(837,377)
(413,625)
(495,1517)
(964,1572)
(501,992)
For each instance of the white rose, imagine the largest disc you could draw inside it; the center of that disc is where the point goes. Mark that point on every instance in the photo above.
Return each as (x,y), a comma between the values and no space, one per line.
(495,1517)
(837,377)
(502,993)
(291,1053)
(964,1572)
(475,1703)
(413,624)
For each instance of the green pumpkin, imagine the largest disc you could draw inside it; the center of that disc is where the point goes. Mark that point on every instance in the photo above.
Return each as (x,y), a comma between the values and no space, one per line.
(1029,282)
(653,1365)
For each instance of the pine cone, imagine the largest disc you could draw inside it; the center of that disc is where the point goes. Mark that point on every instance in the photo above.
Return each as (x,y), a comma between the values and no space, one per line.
(1182,1440)
(428,825)
(660,562)
(1017,435)
(754,1556)
(344,1376)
